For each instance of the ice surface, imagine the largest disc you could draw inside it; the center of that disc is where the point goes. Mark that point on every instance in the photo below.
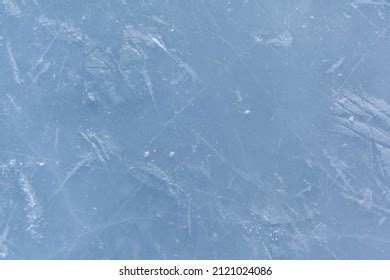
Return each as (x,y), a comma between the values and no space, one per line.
(195,129)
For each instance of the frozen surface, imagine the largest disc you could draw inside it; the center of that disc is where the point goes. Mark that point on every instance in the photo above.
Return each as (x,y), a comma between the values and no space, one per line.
(195,129)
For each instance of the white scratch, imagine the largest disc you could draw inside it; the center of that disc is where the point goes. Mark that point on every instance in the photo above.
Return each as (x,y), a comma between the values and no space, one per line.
(12,61)
(85,160)
(14,103)
(335,66)
(56,139)
(148,83)
(40,60)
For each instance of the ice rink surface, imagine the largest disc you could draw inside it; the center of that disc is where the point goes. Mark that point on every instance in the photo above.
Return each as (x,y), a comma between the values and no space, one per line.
(195,129)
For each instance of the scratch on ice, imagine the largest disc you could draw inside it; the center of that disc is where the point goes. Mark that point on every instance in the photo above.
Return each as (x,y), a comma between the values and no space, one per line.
(335,66)
(33,207)
(12,61)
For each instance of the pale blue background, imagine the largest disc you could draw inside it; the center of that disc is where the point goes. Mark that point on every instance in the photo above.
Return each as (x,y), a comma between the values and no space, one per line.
(195,129)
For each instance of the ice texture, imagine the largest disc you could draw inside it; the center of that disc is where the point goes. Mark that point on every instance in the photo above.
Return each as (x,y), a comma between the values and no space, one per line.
(245,129)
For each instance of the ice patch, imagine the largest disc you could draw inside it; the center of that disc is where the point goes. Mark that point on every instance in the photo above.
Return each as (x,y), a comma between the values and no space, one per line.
(33,208)
(283,40)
